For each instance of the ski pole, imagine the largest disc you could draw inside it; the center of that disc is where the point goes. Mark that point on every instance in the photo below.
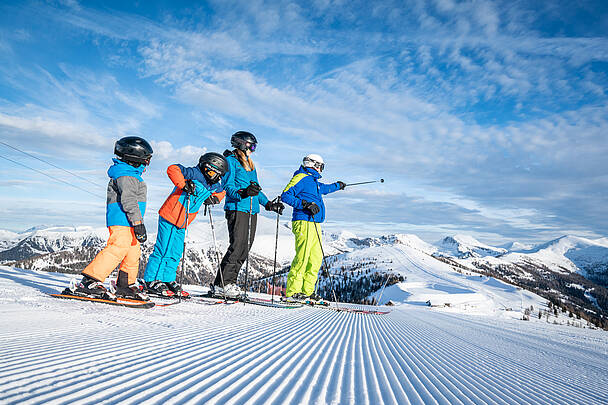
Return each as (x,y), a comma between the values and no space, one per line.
(181,275)
(217,253)
(331,284)
(248,244)
(276,246)
(366,182)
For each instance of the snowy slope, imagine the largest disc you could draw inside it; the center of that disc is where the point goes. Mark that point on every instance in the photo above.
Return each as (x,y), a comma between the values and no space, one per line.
(516,246)
(428,279)
(465,246)
(57,351)
(568,253)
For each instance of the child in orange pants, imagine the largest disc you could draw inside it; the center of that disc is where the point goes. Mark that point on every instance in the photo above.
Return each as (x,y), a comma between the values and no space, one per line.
(126,205)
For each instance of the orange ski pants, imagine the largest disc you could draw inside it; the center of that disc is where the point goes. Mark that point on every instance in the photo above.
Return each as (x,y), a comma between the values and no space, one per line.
(122,248)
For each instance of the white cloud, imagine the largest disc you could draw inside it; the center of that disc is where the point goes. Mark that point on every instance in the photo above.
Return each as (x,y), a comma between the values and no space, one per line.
(463,95)
(164,150)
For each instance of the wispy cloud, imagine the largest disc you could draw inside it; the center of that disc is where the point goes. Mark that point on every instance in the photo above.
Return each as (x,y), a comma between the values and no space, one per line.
(500,105)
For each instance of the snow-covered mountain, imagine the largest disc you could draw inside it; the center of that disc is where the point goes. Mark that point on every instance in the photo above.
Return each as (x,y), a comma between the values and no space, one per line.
(8,239)
(516,246)
(570,270)
(464,246)
(568,253)
(35,242)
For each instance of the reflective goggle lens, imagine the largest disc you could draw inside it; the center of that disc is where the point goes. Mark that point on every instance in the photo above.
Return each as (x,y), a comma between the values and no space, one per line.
(252,146)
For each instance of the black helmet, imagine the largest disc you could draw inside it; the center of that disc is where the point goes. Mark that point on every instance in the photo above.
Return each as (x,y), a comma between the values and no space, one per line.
(213,166)
(243,140)
(133,150)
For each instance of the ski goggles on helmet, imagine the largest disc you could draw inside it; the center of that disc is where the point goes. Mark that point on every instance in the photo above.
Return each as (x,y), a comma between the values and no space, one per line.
(318,166)
(211,173)
(251,146)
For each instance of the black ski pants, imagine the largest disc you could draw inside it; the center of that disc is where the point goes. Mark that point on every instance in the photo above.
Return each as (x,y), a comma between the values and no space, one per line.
(235,256)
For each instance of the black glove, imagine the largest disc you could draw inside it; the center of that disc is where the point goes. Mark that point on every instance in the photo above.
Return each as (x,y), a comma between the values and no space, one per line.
(311,207)
(252,190)
(342,185)
(277,207)
(140,233)
(211,200)
(189,187)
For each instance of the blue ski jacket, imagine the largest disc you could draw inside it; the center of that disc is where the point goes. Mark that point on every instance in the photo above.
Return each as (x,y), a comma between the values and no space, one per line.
(238,178)
(126,200)
(305,186)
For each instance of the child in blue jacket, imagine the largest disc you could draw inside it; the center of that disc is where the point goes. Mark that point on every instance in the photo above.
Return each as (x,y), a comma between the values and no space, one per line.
(194,186)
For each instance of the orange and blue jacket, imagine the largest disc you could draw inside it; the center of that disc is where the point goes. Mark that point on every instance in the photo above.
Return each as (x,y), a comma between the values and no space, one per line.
(174,207)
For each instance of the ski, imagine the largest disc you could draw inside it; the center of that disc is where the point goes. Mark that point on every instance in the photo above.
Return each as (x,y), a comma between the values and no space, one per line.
(268,303)
(360,310)
(163,304)
(342,307)
(122,302)
(206,300)
(249,300)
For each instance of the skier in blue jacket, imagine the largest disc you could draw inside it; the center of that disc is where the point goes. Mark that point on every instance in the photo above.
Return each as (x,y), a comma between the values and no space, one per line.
(243,199)
(305,194)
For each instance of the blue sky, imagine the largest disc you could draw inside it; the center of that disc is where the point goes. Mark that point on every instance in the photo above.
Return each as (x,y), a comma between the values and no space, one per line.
(485,118)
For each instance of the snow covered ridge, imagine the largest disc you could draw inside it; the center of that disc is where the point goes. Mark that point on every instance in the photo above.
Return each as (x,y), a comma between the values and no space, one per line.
(49,240)
(464,246)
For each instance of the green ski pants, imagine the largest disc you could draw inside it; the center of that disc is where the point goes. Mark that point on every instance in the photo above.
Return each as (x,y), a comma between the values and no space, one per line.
(305,266)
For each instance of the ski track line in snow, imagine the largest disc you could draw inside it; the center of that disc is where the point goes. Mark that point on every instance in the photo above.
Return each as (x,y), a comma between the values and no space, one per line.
(112,360)
(536,341)
(377,359)
(522,374)
(71,352)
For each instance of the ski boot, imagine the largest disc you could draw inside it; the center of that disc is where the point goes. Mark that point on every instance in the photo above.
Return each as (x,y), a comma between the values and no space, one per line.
(130,291)
(233,291)
(174,287)
(89,287)
(315,299)
(158,288)
(133,292)
(215,291)
(296,298)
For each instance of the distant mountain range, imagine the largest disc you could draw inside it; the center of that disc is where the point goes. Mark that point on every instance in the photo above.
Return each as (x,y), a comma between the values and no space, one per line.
(570,271)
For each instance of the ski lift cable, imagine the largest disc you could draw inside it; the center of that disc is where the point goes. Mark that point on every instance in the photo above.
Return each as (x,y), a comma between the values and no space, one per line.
(51,164)
(52,177)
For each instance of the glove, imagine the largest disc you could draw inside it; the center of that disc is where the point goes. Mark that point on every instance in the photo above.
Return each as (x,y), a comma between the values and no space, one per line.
(211,200)
(311,207)
(251,191)
(342,185)
(140,233)
(189,187)
(277,207)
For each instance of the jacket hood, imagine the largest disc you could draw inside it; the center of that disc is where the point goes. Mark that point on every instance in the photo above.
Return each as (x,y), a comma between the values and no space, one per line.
(119,169)
(308,170)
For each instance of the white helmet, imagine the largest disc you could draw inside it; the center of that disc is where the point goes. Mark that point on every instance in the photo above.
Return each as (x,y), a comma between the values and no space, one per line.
(315,161)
